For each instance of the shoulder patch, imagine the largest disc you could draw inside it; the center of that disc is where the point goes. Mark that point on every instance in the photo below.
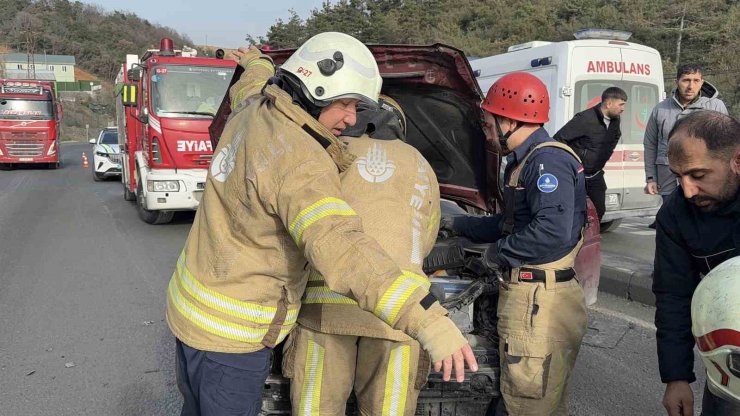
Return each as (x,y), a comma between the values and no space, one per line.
(547,183)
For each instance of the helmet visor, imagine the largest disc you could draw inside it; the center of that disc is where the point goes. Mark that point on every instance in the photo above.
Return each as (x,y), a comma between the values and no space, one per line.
(733,363)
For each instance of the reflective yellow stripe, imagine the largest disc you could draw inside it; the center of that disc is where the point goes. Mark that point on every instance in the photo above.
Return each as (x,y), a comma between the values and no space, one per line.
(315,276)
(261,62)
(434,220)
(252,312)
(421,280)
(394,298)
(320,209)
(311,390)
(213,324)
(216,325)
(246,90)
(322,294)
(397,381)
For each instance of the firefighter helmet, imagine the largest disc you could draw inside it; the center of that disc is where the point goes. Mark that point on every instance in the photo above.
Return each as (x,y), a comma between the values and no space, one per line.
(519,96)
(332,66)
(715,316)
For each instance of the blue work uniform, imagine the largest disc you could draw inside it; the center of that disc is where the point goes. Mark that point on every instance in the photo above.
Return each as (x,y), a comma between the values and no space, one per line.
(549,207)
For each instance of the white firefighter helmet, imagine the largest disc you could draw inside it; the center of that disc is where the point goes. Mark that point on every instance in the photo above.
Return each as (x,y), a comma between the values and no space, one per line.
(715,316)
(332,66)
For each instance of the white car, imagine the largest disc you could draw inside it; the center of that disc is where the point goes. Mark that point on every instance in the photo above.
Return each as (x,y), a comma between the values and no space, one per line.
(106,160)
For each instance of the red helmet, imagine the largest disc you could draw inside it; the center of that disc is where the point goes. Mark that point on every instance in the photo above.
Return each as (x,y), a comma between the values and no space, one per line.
(519,96)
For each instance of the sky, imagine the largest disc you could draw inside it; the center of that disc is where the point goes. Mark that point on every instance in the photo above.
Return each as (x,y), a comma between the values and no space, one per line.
(223,23)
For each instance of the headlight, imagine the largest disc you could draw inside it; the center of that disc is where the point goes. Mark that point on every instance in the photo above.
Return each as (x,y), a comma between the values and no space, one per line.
(52,148)
(101,154)
(163,186)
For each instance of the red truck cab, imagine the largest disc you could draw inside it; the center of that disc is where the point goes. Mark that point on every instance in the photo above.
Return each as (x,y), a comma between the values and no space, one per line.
(29,123)
(168,100)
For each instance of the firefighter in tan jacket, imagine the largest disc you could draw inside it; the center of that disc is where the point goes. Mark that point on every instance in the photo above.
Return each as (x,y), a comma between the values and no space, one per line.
(395,192)
(272,204)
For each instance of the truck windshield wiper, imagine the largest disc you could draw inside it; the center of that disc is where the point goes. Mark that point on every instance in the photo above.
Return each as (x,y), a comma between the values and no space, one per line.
(197,113)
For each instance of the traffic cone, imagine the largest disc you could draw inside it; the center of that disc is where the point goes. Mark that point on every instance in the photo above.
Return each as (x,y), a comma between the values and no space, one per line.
(85,164)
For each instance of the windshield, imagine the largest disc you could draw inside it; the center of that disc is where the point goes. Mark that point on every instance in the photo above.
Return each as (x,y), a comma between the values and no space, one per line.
(188,91)
(109,137)
(20,109)
(641,99)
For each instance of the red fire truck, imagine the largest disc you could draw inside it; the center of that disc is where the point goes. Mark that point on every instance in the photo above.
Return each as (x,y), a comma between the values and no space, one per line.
(167,100)
(29,123)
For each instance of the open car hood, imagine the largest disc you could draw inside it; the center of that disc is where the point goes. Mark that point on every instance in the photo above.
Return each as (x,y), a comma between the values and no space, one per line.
(440,96)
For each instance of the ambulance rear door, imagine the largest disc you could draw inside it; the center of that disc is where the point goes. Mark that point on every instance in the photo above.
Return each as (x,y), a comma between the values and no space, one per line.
(592,71)
(643,82)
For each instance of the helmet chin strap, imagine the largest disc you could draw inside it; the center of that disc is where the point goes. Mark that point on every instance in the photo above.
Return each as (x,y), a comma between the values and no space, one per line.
(504,138)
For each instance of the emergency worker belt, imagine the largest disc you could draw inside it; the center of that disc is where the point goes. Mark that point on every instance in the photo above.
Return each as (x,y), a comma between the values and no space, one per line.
(538,276)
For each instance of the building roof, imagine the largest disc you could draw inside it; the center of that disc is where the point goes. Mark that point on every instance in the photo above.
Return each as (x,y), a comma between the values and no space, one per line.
(22,58)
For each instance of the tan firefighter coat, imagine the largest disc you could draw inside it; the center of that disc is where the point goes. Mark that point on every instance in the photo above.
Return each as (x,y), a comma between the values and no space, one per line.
(272,206)
(395,192)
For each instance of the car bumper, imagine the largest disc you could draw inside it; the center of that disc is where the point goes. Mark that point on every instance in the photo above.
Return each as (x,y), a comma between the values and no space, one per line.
(186,199)
(105,167)
(628,213)
(29,159)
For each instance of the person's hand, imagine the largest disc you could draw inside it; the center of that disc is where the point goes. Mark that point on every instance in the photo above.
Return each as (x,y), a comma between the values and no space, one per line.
(651,188)
(447,223)
(243,56)
(457,361)
(679,399)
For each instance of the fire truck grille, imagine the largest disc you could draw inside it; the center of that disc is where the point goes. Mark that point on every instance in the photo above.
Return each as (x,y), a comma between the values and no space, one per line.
(24,144)
(202,160)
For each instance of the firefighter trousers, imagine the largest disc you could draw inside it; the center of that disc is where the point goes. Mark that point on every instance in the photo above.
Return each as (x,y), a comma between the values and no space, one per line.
(540,326)
(221,384)
(386,375)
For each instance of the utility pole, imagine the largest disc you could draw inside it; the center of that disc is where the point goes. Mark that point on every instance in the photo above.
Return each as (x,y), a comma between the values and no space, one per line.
(30,53)
(680,36)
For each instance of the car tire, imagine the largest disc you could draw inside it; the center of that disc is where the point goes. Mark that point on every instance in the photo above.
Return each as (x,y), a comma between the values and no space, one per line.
(150,217)
(96,176)
(128,195)
(608,226)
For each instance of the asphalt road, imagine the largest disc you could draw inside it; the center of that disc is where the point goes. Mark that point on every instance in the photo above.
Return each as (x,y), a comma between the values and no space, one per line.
(82,292)
(632,239)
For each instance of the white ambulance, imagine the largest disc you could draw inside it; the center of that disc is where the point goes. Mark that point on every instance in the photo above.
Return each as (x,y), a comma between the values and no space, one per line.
(576,72)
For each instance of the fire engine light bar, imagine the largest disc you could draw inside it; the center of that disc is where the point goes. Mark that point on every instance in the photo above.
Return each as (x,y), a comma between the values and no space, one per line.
(602,34)
(163,186)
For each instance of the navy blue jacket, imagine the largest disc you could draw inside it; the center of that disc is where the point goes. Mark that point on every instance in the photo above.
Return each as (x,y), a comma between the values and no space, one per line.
(688,244)
(547,221)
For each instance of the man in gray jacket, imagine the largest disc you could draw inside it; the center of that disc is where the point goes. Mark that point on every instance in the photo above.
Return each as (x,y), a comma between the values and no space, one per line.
(692,93)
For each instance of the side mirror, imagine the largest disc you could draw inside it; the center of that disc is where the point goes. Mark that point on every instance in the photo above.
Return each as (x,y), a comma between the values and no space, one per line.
(134,74)
(60,112)
(129,95)
(144,115)
(92,141)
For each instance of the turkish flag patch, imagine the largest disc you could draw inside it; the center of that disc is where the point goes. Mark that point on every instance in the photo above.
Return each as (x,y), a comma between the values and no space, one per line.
(526,276)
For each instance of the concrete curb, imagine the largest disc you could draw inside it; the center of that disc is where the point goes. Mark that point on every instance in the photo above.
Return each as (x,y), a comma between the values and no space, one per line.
(623,277)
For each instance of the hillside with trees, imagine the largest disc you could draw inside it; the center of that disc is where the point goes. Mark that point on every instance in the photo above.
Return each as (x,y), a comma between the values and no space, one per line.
(98,40)
(701,31)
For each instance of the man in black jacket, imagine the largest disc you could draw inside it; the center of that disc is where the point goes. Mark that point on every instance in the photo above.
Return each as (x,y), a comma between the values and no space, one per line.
(593,134)
(698,227)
